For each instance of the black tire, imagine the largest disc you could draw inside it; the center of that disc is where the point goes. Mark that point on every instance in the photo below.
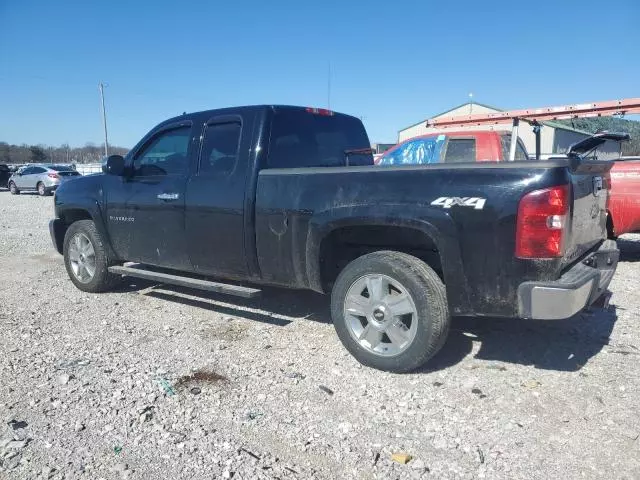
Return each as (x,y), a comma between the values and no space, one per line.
(42,190)
(429,297)
(13,189)
(102,280)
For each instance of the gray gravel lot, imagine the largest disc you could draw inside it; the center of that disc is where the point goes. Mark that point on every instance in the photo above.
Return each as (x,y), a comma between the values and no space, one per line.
(103,386)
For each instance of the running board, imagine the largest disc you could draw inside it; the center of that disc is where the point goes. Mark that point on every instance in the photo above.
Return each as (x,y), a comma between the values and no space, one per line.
(188,282)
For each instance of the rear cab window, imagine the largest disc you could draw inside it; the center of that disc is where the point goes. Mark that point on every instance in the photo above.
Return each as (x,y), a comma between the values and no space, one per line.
(302,138)
(460,150)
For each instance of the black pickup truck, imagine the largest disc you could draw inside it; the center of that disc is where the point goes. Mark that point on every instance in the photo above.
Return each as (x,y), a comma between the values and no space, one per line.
(289,196)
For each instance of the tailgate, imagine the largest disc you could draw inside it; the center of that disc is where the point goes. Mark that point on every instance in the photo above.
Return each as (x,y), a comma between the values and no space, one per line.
(588,226)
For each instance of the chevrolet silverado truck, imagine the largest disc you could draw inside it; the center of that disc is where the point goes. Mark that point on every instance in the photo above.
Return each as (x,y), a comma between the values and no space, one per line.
(289,196)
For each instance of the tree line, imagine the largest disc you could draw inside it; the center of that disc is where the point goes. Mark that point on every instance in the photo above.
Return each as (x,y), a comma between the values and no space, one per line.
(90,153)
(612,124)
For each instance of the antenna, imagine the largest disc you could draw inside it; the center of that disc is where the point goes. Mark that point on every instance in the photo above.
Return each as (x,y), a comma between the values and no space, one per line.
(470,103)
(329,87)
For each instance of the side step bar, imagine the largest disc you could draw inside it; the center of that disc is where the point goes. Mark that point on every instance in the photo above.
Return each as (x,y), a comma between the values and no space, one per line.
(188,282)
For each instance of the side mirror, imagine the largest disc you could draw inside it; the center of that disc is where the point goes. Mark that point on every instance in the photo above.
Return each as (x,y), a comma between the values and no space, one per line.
(114,165)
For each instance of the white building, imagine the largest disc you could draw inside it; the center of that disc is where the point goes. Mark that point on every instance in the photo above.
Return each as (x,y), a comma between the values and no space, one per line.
(554,137)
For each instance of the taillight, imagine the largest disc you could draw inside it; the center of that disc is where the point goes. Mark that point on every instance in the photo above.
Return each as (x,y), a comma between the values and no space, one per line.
(52,175)
(542,220)
(320,111)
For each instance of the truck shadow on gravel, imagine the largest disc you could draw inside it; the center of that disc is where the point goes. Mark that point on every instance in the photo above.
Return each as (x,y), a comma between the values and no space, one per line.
(275,307)
(562,345)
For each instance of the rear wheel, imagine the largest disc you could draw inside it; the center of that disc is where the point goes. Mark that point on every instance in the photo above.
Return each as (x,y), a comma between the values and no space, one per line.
(390,311)
(86,258)
(13,189)
(42,190)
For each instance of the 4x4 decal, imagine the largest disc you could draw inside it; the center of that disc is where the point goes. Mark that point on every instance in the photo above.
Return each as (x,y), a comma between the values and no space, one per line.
(447,202)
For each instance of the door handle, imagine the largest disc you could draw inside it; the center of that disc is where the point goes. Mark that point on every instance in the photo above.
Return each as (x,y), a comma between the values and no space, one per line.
(168,196)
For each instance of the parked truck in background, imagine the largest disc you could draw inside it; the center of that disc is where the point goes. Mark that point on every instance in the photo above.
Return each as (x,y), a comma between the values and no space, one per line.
(493,146)
(624,199)
(453,147)
(288,196)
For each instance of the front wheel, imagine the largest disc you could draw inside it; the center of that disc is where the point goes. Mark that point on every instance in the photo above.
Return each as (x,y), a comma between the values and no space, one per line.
(390,311)
(13,189)
(86,258)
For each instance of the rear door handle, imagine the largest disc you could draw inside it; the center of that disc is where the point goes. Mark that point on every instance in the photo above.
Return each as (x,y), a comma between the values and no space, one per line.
(168,196)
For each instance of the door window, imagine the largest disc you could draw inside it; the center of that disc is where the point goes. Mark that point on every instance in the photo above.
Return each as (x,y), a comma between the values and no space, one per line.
(219,153)
(166,154)
(38,170)
(460,150)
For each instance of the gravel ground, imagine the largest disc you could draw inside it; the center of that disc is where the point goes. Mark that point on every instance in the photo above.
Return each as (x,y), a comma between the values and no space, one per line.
(155,382)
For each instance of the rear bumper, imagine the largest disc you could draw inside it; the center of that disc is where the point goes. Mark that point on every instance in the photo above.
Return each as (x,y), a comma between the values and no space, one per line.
(576,289)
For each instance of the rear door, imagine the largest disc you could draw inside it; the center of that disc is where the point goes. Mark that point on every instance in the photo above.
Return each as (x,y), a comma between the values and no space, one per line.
(215,197)
(30,178)
(21,177)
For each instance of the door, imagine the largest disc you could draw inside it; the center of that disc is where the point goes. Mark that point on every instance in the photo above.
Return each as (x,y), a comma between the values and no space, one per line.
(145,210)
(215,200)
(29,178)
(22,179)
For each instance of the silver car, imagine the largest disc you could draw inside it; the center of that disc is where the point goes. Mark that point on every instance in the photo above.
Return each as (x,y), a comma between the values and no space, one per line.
(40,178)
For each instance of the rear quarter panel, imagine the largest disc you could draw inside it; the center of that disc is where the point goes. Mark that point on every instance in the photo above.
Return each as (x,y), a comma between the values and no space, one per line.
(296,208)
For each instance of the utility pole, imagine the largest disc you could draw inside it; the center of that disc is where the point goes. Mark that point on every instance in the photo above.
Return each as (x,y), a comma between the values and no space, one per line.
(104,120)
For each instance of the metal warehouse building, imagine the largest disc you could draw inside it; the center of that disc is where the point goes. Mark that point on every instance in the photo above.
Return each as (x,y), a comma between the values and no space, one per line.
(555,137)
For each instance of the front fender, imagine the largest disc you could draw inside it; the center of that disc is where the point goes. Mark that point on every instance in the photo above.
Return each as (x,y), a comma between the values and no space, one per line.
(437,225)
(71,208)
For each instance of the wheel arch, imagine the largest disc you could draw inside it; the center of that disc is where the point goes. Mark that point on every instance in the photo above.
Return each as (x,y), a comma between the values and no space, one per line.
(336,239)
(70,213)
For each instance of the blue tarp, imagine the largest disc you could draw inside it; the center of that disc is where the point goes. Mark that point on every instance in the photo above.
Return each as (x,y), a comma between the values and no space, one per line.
(420,151)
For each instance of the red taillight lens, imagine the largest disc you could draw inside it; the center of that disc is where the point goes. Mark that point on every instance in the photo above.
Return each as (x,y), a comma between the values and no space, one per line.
(52,175)
(542,218)
(320,111)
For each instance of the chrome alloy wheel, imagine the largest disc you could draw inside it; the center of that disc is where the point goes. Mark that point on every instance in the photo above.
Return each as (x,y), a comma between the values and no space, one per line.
(82,257)
(380,315)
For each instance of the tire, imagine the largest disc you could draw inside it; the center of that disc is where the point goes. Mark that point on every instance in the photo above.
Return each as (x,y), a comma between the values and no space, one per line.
(13,189)
(42,190)
(81,233)
(401,276)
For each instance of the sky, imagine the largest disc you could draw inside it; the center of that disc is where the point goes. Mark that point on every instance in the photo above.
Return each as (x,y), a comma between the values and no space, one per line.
(392,63)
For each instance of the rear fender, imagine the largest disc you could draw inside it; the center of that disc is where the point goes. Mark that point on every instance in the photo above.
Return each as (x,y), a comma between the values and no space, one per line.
(437,225)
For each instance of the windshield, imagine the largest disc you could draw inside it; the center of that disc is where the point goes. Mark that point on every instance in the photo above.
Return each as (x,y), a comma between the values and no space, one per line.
(419,151)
